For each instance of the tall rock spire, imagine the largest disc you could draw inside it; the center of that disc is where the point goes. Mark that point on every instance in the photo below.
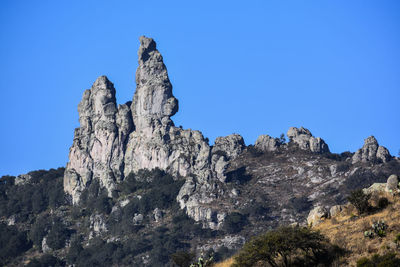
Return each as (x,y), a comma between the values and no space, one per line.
(153,99)
(98,147)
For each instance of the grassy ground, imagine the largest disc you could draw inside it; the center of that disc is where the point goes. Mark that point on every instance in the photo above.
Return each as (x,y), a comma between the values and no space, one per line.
(347,230)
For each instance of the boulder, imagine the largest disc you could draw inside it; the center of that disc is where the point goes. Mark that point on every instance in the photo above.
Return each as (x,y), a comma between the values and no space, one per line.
(316,215)
(98,223)
(392,183)
(335,210)
(371,152)
(137,219)
(266,143)
(158,215)
(304,139)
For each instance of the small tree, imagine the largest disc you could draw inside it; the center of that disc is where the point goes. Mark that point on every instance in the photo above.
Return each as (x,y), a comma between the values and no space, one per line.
(182,258)
(360,200)
(288,246)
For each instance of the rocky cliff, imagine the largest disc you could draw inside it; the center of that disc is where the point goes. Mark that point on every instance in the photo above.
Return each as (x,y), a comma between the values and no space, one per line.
(114,141)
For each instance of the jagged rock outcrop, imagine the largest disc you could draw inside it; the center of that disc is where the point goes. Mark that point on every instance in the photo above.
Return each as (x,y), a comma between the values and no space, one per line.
(98,147)
(112,142)
(306,141)
(267,143)
(225,149)
(371,151)
(156,142)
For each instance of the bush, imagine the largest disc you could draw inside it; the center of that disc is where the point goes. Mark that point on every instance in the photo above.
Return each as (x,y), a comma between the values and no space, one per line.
(300,204)
(387,260)
(96,199)
(288,246)
(383,202)
(234,222)
(360,200)
(238,176)
(58,235)
(45,261)
(182,258)
(45,189)
(12,243)
(39,230)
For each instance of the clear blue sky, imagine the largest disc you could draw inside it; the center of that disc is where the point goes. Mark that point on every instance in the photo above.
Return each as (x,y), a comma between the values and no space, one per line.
(254,68)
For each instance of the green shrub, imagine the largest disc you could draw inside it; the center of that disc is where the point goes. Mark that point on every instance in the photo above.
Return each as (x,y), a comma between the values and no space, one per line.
(12,243)
(203,261)
(44,190)
(378,228)
(39,230)
(300,204)
(234,222)
(383,202)
(360,200)
(45,261)
(387,260)
(57,235)
(288,246)
(182,258)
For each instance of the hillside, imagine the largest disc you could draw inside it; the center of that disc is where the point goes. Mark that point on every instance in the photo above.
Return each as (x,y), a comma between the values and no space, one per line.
(139,191)
(347,230)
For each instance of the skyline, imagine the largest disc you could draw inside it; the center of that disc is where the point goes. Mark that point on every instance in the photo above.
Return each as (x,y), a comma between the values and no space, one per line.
(256,69)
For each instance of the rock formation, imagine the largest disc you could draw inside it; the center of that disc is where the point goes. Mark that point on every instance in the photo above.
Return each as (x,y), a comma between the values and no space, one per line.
(371,151)
(98,147)
(266,143)
(306,141)
(112,142)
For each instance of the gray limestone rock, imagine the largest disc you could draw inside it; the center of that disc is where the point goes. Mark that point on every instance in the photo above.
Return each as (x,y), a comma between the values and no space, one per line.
(153,99)
(335,210)
(316,215)
(266,143)
(158,214)
(112,141)
(23,179)
(371,151)
(392,183)
(45,247)
(304,139)
(225,149)
(230,146)
(98,224)
(98,147)
(137,219)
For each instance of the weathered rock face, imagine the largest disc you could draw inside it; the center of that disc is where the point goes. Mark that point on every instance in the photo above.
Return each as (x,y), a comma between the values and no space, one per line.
(225,149)
(371,151)
(155,141)
(266,143)
(306,141)
(153,99)
(98,147)
(112,142)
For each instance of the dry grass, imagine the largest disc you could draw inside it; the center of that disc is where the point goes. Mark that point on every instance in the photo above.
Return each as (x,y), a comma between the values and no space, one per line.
(347,231)
(225,263)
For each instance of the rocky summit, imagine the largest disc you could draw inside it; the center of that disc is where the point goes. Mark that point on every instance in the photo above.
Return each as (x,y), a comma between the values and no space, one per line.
(138,191)
(114,141)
